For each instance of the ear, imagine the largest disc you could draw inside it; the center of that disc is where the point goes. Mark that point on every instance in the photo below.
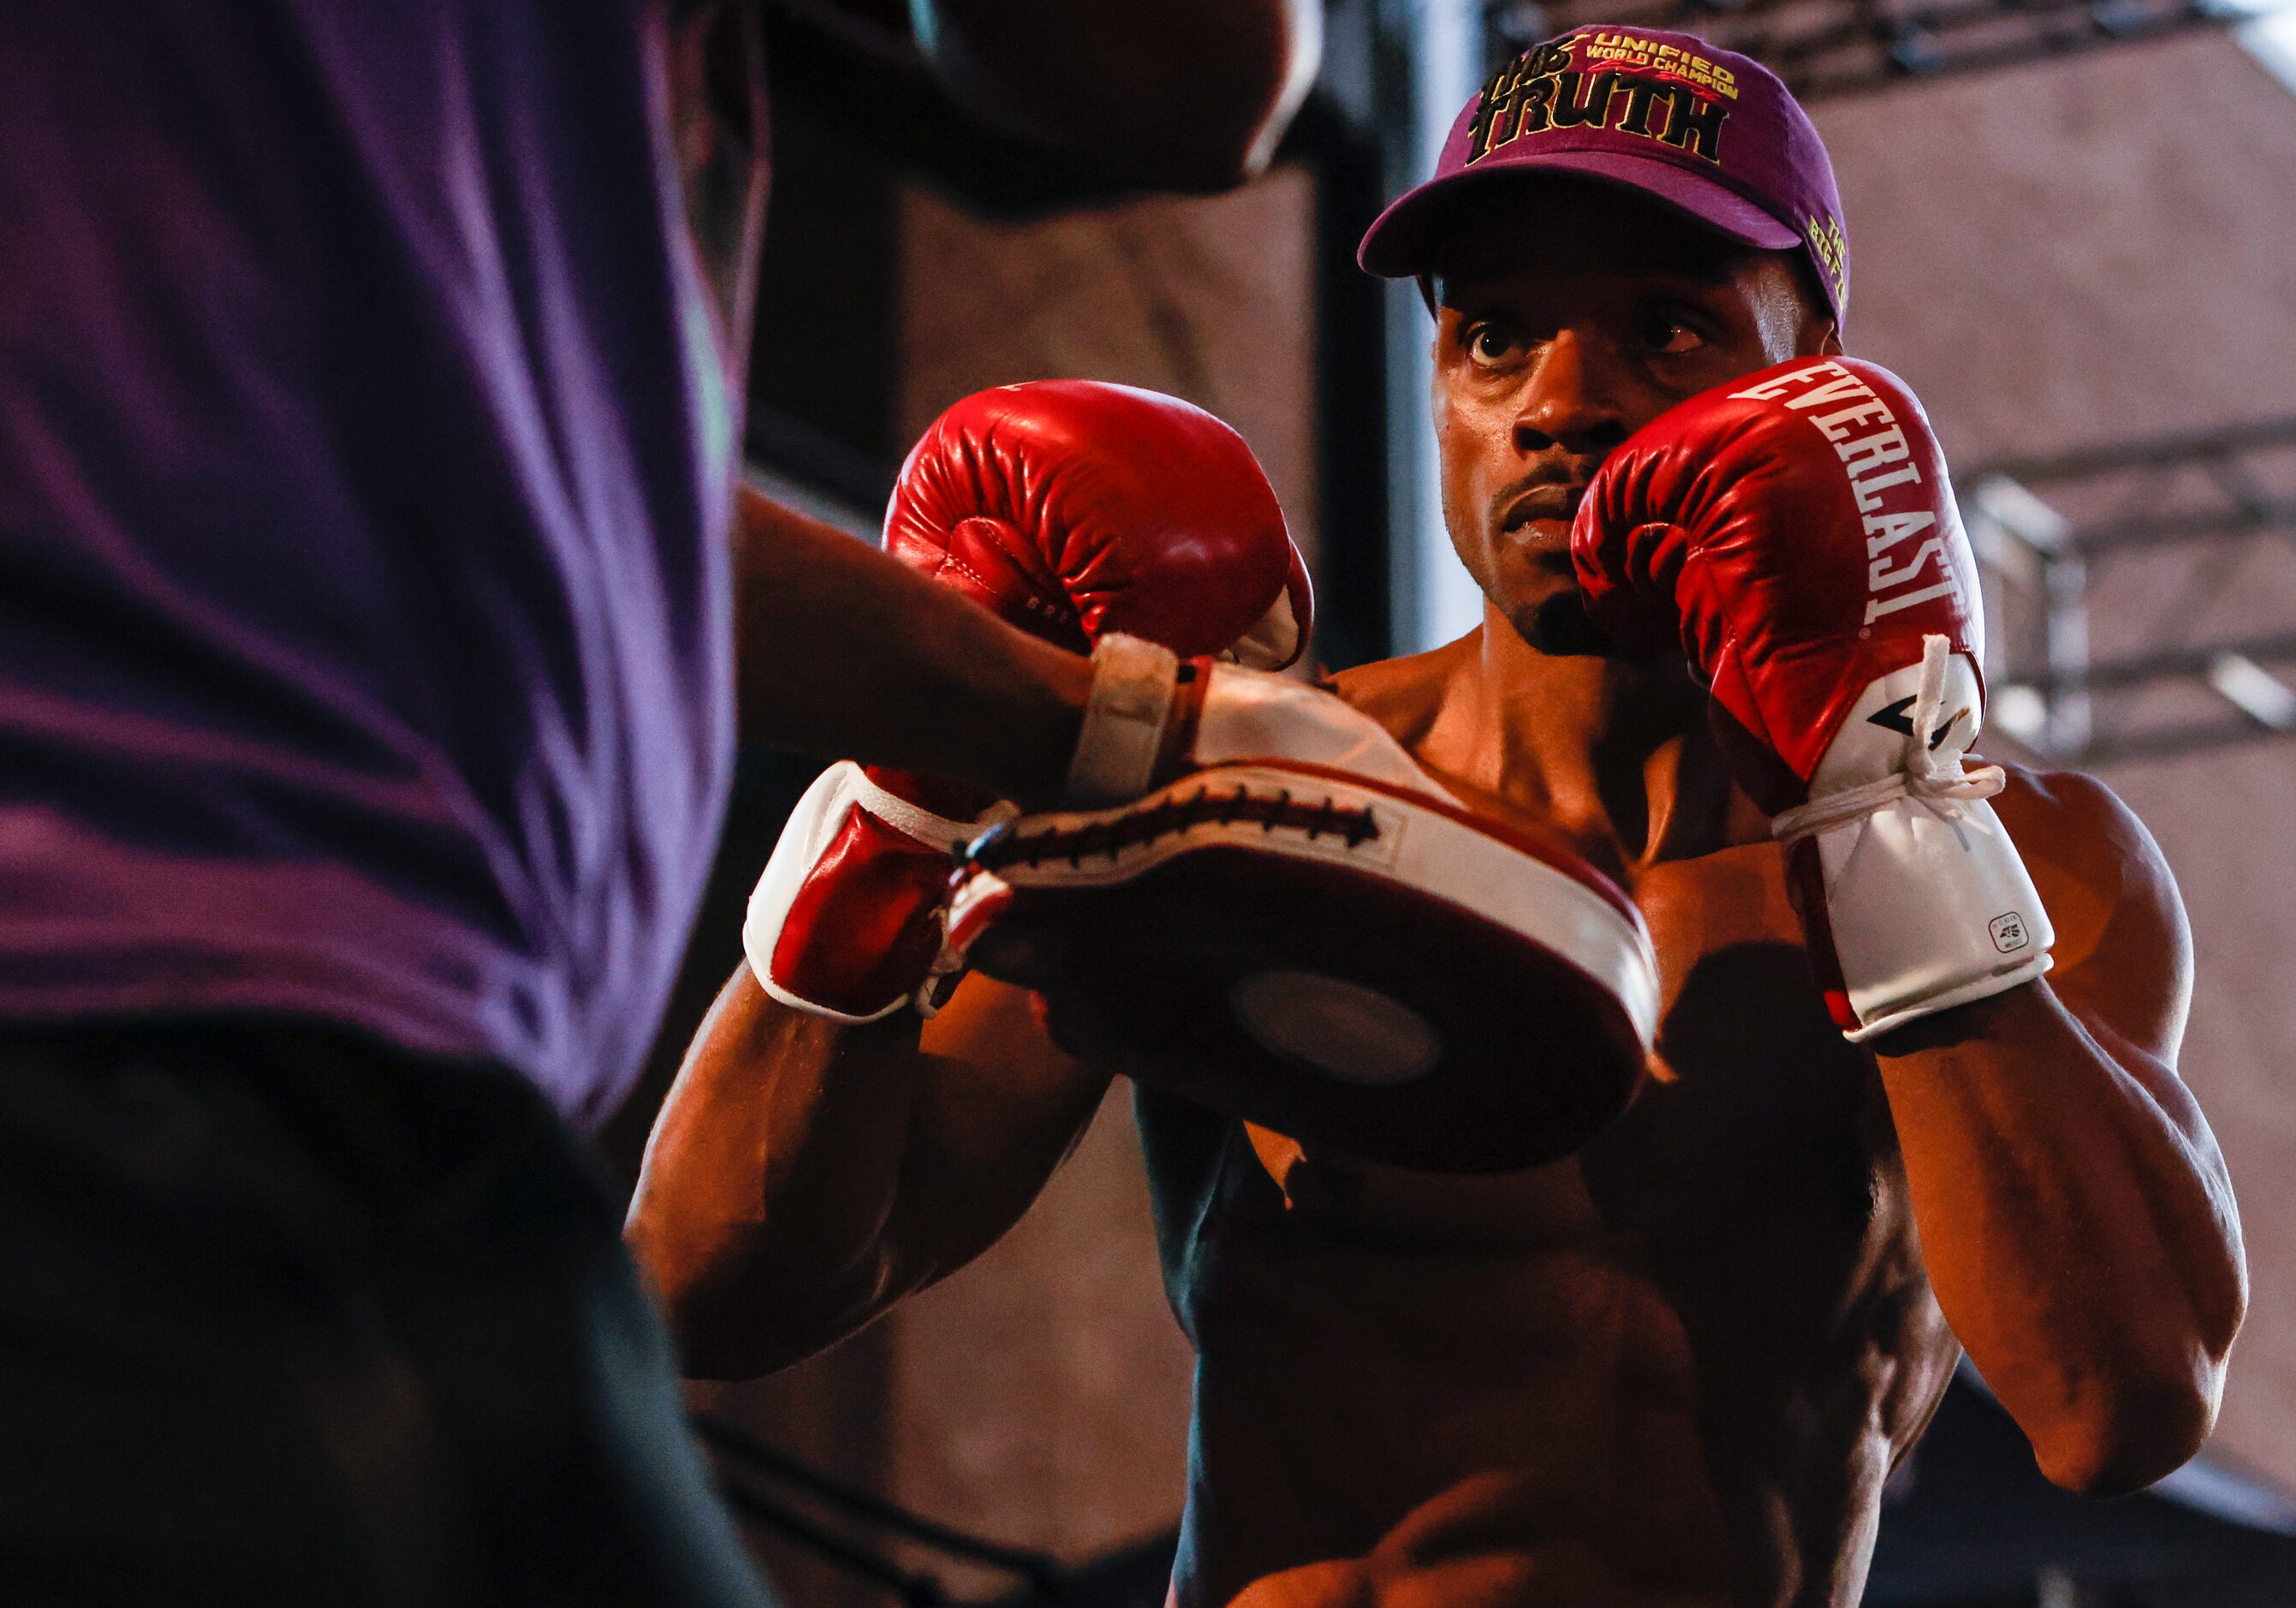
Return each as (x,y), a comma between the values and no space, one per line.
(1817,337)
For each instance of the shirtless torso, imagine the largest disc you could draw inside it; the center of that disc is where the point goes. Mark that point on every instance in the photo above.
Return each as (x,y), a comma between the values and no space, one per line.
(1676,1368)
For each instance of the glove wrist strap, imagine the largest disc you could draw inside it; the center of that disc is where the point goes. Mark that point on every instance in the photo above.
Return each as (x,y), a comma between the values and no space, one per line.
(1133,683)
(913,820)
(1926,902)
(802,931)
(1937,780)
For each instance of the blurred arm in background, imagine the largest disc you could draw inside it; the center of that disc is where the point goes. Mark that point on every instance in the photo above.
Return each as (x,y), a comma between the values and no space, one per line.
(805,1176)
(1175,95)
(1187,94)
(842,651)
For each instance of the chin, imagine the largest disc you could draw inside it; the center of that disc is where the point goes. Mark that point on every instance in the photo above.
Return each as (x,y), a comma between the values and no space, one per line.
(1520,572)
(1524,593)
(1560,627)
(1522,612)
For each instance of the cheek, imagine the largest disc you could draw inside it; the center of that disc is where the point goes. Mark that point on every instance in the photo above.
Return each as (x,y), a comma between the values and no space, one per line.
(1470,433)
(1744,350)
(1461,477)
(1455,452)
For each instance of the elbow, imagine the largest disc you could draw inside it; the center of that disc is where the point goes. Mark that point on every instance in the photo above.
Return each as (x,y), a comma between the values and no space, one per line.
(1217,132)
(2138,1430)
(1222,130)
(724,1336)
(2134,1416)
(715,1334)
(1205,161)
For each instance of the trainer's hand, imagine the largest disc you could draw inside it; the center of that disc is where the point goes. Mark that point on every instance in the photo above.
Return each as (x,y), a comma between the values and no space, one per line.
(1795,533)
(1071,509)
(1308,930)
(1187,94)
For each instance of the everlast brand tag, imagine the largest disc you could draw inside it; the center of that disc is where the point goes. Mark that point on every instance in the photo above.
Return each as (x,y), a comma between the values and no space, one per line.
(1878,461)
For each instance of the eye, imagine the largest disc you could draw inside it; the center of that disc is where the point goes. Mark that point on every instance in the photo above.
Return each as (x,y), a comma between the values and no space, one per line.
(1490,344)
(1672,333)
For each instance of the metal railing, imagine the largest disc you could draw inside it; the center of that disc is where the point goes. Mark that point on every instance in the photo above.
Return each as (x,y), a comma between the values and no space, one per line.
(2132,592)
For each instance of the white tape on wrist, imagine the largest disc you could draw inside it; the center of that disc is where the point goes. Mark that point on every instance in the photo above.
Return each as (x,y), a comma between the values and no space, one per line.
(1132,683)
(1976,988)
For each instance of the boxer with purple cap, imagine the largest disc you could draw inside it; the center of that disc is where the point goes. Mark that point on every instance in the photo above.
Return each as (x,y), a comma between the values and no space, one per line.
(1676,1367)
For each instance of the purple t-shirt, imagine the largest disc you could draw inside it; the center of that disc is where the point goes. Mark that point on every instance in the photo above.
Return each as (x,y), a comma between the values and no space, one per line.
(366,439)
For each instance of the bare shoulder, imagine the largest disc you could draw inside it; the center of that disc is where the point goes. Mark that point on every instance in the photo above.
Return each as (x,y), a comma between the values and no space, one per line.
(2124,948)
(1406,695)
(2079,827)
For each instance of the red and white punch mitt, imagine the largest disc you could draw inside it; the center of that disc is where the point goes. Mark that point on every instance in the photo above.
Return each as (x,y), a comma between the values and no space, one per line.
(1794,532)
(1307,930)
(1069,508)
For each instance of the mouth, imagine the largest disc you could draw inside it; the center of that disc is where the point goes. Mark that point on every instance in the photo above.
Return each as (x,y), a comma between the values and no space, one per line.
(1552,502)
(1536,523)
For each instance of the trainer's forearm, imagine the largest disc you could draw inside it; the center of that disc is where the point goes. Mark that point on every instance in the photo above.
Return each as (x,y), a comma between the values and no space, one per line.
(846,654)
(1190,94)
(2078,1228)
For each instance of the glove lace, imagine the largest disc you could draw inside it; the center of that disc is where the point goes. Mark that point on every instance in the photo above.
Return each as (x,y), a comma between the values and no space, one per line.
(1938,783)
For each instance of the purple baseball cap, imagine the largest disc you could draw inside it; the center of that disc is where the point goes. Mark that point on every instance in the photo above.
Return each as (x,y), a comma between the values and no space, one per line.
(1706,131)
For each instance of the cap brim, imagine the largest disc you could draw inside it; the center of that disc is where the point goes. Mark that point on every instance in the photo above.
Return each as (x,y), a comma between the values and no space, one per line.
(1401,241)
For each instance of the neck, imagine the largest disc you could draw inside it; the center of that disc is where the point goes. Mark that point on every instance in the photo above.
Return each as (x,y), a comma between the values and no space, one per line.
(1602,747)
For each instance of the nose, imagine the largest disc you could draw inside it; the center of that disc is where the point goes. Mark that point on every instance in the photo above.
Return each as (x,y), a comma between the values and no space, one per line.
(1571,399)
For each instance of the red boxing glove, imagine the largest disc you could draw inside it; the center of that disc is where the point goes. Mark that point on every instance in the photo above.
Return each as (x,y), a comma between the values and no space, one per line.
(1072,509)
(1795,533)
(1076,508)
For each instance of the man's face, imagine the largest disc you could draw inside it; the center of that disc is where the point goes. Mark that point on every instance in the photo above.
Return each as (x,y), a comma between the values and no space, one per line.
(1568,314)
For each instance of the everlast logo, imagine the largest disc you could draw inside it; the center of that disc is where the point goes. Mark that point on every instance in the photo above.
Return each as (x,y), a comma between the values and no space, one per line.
(1541,89)
(1877,457)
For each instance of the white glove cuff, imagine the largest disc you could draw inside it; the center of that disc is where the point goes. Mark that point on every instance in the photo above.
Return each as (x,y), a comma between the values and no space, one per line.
(812,827)
(1132,683)
(1930,906)
(1929,902)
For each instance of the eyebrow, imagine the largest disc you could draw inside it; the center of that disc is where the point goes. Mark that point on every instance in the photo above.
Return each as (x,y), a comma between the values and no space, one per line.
(1452,289)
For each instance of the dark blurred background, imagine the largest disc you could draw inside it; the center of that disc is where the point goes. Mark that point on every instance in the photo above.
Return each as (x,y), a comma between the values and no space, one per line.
(2074,232)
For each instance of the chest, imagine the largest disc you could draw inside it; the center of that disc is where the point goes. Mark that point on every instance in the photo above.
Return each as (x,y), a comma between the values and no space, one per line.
(1756,1111)
(1760,1135)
